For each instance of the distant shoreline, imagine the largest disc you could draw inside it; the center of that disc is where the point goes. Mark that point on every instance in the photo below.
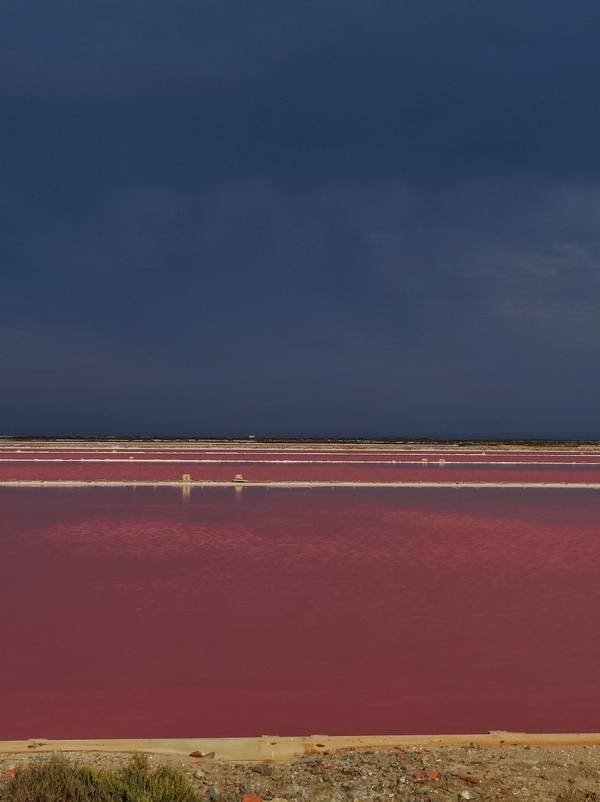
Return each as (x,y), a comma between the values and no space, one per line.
(251,440)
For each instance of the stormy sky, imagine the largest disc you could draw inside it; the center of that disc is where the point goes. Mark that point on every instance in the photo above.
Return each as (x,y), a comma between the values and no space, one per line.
(324,217)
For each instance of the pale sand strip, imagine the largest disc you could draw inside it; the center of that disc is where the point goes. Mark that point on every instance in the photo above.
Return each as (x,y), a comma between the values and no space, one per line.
(287,748)
(425,463)
(246,483)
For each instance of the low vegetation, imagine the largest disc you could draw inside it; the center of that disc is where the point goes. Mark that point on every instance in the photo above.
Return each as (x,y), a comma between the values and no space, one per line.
(59,781)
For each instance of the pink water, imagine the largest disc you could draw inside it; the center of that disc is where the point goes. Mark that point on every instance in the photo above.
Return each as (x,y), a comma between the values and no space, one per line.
(306,464)
(318,471)
(136,612)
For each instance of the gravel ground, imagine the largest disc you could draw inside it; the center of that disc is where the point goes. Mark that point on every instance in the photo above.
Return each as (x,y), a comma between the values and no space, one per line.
(568,774)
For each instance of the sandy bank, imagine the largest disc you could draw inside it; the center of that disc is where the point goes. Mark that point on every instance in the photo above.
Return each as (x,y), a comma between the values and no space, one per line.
(487,768)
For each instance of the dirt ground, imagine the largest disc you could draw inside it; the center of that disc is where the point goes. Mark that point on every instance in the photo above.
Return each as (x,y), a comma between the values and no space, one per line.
(568,774)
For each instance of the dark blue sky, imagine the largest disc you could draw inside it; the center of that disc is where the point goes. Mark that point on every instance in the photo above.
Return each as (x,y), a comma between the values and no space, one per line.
(329,217)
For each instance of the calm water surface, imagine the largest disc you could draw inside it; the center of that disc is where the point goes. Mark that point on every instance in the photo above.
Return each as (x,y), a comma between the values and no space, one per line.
(135,612)
(321,470)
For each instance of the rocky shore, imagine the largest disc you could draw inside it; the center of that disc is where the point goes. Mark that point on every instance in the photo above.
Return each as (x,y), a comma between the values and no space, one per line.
(559,774)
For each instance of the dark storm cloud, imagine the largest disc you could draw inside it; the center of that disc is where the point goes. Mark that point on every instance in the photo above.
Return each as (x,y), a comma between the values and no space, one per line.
(323,217)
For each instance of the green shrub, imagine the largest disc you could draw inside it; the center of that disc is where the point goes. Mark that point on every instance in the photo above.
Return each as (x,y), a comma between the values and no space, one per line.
(59,781)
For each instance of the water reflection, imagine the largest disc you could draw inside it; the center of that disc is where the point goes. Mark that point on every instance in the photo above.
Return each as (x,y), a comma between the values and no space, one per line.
(154,609)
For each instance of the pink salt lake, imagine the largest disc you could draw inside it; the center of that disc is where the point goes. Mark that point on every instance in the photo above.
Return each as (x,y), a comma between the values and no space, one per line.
(139,613)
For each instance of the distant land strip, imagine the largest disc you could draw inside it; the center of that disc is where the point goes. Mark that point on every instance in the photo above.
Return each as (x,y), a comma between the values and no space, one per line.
(278,484)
